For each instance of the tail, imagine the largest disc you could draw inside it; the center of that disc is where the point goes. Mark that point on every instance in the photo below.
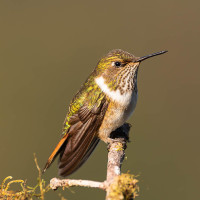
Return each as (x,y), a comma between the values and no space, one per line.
(55,152)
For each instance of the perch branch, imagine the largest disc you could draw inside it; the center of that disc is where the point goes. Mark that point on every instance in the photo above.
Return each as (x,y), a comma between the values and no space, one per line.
(55,183)
(116,155)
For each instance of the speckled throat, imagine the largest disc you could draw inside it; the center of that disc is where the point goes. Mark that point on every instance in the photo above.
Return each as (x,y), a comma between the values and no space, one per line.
(127,80)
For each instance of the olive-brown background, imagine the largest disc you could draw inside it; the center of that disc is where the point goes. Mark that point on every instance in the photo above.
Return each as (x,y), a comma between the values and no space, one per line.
(48,48)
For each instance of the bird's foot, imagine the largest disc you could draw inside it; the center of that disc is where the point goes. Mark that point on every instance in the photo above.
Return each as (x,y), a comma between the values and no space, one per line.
(110,141)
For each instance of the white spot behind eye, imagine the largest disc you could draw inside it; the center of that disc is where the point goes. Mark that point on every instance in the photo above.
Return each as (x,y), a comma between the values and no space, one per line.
(113,64)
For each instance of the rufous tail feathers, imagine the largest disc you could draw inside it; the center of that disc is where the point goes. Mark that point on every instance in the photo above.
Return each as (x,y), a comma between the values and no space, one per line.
(55,153)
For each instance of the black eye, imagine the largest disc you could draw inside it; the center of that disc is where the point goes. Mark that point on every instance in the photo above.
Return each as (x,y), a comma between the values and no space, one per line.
(118,64)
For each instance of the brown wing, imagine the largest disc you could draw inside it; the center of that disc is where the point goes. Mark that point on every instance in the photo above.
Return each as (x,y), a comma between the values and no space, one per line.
(82,138)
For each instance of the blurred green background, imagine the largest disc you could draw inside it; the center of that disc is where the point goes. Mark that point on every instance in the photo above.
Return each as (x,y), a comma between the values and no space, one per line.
(47,50)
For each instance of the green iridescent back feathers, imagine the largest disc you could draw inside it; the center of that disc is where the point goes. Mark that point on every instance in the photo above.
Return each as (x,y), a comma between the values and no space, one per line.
(90,95)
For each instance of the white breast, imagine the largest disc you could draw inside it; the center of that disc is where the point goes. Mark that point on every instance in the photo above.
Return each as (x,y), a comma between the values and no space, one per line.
(125,103)
(123,99)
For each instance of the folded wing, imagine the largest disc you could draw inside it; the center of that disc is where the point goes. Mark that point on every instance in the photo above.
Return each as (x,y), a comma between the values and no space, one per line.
(80,139)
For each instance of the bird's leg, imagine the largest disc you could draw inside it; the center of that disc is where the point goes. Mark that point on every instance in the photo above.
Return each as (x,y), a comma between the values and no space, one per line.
(121,135)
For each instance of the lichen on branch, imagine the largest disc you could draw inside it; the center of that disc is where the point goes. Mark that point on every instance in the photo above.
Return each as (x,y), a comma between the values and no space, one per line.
(25,192)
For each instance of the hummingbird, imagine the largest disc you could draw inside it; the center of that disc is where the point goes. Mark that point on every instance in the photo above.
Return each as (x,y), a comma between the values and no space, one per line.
(104,103)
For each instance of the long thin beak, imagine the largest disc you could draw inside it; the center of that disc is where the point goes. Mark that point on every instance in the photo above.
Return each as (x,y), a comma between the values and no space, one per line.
(149,56)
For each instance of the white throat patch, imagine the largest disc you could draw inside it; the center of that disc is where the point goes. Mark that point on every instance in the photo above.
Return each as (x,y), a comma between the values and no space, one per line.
(123,99)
